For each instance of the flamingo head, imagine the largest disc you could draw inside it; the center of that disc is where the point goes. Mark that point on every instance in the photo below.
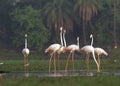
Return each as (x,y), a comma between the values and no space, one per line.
(64,31)
(26,35)
(61,28)
(106,53)
(77,38)
(91,35)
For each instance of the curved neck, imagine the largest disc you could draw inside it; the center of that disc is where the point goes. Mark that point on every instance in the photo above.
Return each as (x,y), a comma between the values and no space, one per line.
(78,42)
(93,53)
(25,42)
(92,41)
(61,38)
(64,39)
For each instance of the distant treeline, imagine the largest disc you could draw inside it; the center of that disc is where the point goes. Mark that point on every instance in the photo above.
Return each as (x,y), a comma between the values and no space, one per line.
(42,19)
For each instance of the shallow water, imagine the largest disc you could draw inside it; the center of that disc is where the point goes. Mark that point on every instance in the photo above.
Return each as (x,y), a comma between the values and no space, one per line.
(61,73)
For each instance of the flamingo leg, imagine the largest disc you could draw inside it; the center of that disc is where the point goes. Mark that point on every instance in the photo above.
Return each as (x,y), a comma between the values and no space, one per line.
(67,62)
(87,62)
(27,66)
(24,60)
(54,64)
(25,63)
(99,63)
(58,62)
(73,61)
(50,61)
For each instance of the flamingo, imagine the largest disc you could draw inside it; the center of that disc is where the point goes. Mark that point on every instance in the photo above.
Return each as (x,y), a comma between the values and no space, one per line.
(26,52)
(62,48)
(53,49)
(72,48)
(89,49)
(100,51)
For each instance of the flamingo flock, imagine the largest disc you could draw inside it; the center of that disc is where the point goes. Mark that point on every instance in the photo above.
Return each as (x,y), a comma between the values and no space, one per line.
(63,48)
(57,49)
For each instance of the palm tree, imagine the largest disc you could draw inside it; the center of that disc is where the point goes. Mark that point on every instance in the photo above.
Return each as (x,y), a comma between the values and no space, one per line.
(115,16)
(58,14)
(113,3)
(87,9)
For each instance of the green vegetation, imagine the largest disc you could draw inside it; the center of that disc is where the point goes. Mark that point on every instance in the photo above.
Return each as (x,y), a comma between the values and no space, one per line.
(42,19)
(13,62)
(98,80)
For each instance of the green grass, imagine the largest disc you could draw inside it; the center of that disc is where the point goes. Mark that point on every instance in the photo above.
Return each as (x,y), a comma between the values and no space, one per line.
(42,65)
(13,61)
(98,80)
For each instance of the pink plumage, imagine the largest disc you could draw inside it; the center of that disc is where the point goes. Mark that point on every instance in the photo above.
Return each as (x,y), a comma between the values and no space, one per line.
(87,49)
(100,51)
(53,48)
(25,52)
(72,48)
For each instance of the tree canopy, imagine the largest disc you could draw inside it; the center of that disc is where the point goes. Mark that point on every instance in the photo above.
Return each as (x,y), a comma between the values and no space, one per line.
(42,19)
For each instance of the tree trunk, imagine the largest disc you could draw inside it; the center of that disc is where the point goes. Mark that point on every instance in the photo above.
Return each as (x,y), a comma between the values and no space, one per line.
(84,35)
(115,15)
(91,27)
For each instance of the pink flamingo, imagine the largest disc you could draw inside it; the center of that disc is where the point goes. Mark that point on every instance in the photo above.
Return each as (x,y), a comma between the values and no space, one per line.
(89,49)
(26,52)
(100,51)
(53,49)
(72,48)
(62,48)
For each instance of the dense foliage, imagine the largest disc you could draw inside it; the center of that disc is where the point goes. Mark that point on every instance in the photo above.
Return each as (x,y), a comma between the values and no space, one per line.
(41,20)
(28,20)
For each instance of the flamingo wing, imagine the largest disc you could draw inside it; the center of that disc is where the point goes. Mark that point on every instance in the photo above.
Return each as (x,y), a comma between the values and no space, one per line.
(100,51)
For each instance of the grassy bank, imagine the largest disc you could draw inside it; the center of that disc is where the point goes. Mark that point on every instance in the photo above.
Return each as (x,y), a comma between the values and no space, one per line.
(98,80)
(13,61)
